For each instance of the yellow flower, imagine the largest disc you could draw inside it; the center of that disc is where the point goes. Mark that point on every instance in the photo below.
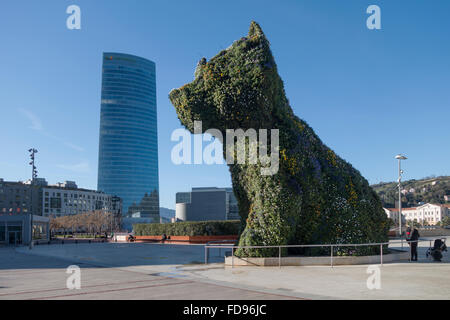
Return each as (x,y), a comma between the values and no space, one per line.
(331,157)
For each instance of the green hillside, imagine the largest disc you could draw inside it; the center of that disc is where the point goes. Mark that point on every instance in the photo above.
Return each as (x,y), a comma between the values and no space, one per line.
(427,190)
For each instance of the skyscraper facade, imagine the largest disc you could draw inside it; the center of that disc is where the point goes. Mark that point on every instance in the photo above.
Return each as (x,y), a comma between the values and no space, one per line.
(128,148)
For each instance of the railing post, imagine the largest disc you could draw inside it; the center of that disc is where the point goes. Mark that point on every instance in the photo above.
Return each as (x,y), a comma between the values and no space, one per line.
(332,256)
(232,257)
(381,253)
(279,256)
(206,254)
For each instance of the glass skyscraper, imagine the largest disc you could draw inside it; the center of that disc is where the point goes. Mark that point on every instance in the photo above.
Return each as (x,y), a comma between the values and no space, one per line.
(128,148)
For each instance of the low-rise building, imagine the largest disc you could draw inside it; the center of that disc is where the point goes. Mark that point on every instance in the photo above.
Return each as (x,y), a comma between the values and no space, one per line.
(18,197)
(392,213)
(202,204)
(15,229)
(427,213)
(67,199)
(57,200)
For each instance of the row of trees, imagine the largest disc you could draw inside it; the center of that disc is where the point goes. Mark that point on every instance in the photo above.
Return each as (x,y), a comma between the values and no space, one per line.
(94,222)
(445,222)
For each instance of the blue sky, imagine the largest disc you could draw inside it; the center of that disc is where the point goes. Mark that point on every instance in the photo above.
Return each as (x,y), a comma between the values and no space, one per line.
(369,94)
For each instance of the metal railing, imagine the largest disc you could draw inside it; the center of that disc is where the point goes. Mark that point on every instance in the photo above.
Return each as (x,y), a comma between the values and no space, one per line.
(331,246)
(220,247)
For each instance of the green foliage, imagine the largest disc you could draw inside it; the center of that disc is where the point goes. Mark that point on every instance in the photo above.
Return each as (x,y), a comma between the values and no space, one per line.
(427,190)
(191,228)
(316,197)
(391,223)
(414,223)
(445,221)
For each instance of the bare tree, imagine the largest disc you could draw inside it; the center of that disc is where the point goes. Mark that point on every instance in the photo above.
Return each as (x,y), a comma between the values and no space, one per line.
(93,222)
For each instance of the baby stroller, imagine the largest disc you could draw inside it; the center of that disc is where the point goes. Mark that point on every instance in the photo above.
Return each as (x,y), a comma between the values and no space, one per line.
(437,249)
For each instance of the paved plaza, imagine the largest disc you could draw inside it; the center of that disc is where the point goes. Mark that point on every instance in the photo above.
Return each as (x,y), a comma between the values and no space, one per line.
(163,271)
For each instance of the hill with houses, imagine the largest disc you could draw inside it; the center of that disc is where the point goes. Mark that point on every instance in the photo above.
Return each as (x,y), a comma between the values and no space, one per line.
(432,189)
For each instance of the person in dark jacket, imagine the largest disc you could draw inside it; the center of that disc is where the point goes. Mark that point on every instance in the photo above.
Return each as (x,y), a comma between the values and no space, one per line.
(408,234)
(413,243)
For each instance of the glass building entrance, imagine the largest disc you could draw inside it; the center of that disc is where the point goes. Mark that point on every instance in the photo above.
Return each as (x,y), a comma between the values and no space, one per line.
(16,229)
(15,237)
(14,234)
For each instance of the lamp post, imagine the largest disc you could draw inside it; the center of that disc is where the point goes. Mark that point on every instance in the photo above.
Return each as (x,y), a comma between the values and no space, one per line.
(32,152)
(400,171)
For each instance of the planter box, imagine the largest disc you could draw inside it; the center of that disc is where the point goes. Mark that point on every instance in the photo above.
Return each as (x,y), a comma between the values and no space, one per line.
(185,239)
(318,261)
(120,238)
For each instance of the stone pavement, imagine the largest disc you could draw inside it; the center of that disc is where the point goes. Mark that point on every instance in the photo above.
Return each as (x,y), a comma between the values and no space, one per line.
(31,276)
(158,271)
(424,279)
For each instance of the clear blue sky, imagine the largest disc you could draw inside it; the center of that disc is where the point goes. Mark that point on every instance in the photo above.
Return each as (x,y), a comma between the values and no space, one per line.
(368,94)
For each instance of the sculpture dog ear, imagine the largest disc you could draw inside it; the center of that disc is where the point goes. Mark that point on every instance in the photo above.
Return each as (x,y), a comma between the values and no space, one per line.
(255,30)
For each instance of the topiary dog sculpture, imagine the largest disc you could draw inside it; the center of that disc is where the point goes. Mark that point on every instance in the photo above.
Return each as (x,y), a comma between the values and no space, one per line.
(315,196)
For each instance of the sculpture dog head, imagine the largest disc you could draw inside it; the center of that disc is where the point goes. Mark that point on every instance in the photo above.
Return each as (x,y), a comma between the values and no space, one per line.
(235,89)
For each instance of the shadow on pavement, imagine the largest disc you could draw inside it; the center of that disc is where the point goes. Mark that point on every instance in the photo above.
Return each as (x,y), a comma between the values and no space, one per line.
(106,255)
(133,254)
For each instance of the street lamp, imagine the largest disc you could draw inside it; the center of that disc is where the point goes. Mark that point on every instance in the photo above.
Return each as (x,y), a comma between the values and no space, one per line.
(34,172)
(400,171)
(32,152)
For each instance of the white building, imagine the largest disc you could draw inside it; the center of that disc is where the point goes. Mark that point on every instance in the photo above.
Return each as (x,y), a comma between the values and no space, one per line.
(426,213)
(393,214)
(67,199)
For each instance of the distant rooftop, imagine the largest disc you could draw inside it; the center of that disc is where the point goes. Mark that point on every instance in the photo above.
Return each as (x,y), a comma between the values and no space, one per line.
(210,189)
(69,185)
